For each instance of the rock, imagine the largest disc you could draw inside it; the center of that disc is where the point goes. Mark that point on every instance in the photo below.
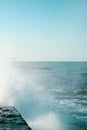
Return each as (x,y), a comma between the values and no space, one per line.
(10,119)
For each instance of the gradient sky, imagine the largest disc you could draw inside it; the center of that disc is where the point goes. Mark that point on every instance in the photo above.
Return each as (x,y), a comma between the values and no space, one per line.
(45,30)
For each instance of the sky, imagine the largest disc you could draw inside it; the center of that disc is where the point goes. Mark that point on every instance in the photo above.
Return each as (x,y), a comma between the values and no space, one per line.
(43,30)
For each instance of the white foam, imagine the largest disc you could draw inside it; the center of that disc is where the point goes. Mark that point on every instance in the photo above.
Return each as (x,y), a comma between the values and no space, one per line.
(49,121)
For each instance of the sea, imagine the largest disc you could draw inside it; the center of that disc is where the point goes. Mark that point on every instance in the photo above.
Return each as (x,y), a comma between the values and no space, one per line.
(51,95)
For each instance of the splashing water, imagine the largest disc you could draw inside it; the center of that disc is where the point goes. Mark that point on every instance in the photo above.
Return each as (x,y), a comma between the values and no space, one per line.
(23,92)
(40,95)
(46,122)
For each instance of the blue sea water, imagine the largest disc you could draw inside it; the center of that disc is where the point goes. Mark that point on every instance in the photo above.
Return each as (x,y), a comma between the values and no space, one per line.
(53,95)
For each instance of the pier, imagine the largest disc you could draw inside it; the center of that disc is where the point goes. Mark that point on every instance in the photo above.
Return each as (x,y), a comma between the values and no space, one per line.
(11,119)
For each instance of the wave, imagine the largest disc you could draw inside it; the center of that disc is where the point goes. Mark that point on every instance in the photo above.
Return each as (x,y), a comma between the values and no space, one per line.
(84,74)
(24,67)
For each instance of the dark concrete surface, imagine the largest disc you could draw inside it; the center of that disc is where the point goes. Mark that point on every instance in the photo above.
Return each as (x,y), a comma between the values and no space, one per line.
(10,119)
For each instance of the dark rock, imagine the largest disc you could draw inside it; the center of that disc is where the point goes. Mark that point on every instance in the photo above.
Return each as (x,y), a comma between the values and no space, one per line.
(10,119)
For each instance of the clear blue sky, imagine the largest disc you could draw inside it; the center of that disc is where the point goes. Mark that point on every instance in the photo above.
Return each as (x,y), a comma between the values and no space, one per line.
(43,30)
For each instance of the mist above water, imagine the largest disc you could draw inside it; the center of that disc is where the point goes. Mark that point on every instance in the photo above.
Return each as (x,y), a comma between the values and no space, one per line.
(41,94)
(22,91)
(46,122)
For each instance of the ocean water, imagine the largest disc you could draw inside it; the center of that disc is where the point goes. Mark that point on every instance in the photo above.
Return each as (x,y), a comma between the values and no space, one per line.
(50,95)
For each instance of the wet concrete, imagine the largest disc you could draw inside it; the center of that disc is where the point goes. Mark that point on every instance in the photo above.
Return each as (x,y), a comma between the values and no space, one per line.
(10,119)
